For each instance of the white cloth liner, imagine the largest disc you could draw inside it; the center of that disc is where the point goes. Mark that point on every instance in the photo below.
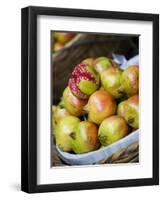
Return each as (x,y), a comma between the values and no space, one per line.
(95,156)
(100,154)
(123,62)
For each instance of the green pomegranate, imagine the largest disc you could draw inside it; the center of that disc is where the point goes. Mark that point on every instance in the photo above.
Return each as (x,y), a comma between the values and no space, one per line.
(73,104)
(100,106)
(121,108)
(88,61)
(64,128)
(103,63)
(58,114)
(85,137)
(110,80)
(130,80)
(112,129)
(132,111)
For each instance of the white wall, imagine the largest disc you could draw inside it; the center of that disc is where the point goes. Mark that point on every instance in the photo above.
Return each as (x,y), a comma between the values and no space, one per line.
(10,99)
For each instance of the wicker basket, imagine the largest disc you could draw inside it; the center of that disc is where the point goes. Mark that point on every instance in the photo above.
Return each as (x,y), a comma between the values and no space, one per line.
(125,155)
(81,47)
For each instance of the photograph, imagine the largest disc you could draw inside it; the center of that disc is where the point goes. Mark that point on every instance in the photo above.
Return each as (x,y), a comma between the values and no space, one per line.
(94,98)
(90,93)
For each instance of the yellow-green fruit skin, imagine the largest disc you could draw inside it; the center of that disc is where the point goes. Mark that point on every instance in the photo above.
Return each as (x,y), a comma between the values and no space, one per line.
(85,138)
(58,114)
(130,80)
(89,87)
(111,81)
(112,129)
(88,61)
(132,111)
(103,63)
(73,104)
(100,106)
(121,108)
(63,130)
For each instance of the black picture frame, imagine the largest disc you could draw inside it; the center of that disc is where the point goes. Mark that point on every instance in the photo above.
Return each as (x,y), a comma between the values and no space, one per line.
(29,98)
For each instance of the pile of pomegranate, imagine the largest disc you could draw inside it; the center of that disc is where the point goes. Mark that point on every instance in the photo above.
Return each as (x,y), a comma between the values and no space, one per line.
(99,106)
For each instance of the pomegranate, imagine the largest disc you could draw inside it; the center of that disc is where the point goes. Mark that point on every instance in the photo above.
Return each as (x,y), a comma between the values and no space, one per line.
(112,129)
(72,104)
(110,80)
(88,61)
(63,130)
(100,106)
(130,80)
(121,108)
(83,81)
(58,114)
(85,137)
(103,63)
(132,111)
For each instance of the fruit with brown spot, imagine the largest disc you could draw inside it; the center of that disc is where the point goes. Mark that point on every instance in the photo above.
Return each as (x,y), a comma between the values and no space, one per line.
(132,111)
(85,137)
(63,130)
(112,129)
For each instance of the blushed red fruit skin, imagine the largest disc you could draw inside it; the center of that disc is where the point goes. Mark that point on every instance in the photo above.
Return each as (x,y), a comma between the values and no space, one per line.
(73,105)
(80,73)
(100,106)
(134,100)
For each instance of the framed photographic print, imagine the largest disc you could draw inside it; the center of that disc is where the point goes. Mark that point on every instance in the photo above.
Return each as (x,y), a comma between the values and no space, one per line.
(90,99)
